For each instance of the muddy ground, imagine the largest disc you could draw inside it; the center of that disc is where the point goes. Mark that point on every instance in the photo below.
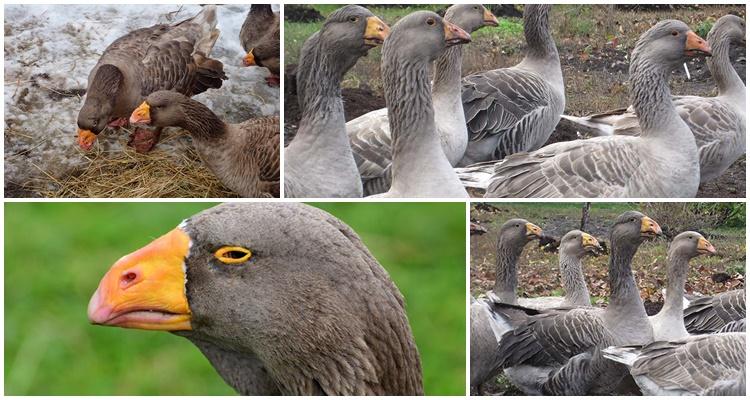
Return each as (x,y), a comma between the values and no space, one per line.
(594,58)
(538,270)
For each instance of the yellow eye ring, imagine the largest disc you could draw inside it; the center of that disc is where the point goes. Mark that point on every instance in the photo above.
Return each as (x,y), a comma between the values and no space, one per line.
(233,254)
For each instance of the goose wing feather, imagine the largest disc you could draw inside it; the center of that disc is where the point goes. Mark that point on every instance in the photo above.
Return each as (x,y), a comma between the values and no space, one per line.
(709,314)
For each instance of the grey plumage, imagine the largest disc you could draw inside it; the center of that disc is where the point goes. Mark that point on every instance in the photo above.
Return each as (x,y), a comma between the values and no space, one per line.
(516,109)
(711,313)
(319,161)
(419,167)
(717,123)
(370,133)
(662,162)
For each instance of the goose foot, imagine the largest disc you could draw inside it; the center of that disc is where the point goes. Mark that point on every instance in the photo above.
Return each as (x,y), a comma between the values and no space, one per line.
(144,140)
(273,80)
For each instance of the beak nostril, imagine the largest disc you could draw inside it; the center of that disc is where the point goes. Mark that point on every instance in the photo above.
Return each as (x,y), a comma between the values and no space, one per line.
(127,279)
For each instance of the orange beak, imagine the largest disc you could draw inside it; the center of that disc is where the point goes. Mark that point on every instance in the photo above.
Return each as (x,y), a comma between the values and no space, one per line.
(649,228)
(695,46)
(705,247)
(86,139)
(455,35)
(533,231)
(376,31)
(141,115)
(249,59)
(489,18)
(146,289)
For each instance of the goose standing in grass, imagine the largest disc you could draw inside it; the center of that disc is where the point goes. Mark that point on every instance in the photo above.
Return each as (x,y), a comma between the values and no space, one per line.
(260,38)
(557,351)
(718,123)
(487,324)
(677,363)
(515,109)
(319,161)
(370,134)
(661,162)
(419,168)
(244,156)
(709,314)
(668,323)
(303,310)
(160,57)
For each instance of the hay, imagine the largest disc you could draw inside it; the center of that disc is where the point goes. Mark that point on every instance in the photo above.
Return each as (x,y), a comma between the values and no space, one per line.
(173,169)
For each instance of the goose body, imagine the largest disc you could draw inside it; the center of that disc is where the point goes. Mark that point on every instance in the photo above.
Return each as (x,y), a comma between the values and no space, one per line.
(556,351)
(235,285)
(712,313)
(662,162)
(319,161)
(160,57)
(516,109)
(419,168)
(717,123)
(260,36)
(244,156)
(370,134)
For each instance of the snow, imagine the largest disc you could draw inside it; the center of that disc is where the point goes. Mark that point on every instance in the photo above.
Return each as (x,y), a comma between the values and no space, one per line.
(52,48)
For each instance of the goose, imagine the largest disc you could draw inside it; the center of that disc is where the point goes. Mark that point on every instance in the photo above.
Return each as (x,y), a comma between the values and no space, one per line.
(662,162)
(304,310)
(484,360)
(370,134)
(244,156)
(419,168)
(319,162)
(557,351)
(718,123)
(668,323)
(703,365)
(713,313)
(260,39)
(513,236)
(160,57)
(515,109)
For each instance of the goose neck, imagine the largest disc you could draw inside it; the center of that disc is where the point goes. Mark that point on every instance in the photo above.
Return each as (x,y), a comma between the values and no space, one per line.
(574,283)
(506,278)
(677,268)
(720,65)
(538,34)
(624,298)
(319,78)
(448,72)
(650,95)
(201,122)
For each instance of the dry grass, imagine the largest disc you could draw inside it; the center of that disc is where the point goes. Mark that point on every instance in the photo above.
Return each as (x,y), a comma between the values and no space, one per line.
(126,173)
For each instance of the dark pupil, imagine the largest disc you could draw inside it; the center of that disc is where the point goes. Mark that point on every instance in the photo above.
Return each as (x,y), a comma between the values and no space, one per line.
(234,254)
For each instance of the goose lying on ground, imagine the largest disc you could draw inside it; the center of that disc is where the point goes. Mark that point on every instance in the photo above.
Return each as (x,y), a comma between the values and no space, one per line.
(260,39)
(419,168)
(303,310)
(160,57)
(515,109)
(244,156)
(557,351)
(718,123)
(704,365)
(319,161)
(712,313)
(662,162)
(370,134)
(667,324)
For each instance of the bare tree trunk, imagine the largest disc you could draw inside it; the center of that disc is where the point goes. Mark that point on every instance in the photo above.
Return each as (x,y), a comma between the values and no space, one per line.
(585,215)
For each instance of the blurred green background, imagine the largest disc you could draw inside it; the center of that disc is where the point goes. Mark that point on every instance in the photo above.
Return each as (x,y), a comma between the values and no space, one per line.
(56,253)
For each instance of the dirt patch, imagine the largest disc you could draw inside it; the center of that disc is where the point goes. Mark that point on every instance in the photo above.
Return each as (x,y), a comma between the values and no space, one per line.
(301,13)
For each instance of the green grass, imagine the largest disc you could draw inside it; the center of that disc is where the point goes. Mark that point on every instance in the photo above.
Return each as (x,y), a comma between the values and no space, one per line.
(56,253)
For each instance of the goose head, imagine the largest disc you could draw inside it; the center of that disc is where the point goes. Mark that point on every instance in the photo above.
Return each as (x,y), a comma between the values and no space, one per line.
(634,227)
(579,244)
(730,27)
(470,17)
(518,232)
(353,30)
(670,43)
(423,35)
(160,109)
(689,245)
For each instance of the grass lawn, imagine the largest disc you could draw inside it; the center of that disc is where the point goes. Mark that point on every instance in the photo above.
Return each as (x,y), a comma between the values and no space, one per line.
(56,253)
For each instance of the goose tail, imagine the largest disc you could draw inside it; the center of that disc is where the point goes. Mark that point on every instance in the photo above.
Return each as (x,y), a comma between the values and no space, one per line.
(622,354)
(476,176)
(591,125)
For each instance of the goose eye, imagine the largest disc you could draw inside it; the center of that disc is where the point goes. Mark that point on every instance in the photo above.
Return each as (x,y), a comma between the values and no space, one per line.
(430,21)
(353,19)
(675,33)
(476,8)
(233,254)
